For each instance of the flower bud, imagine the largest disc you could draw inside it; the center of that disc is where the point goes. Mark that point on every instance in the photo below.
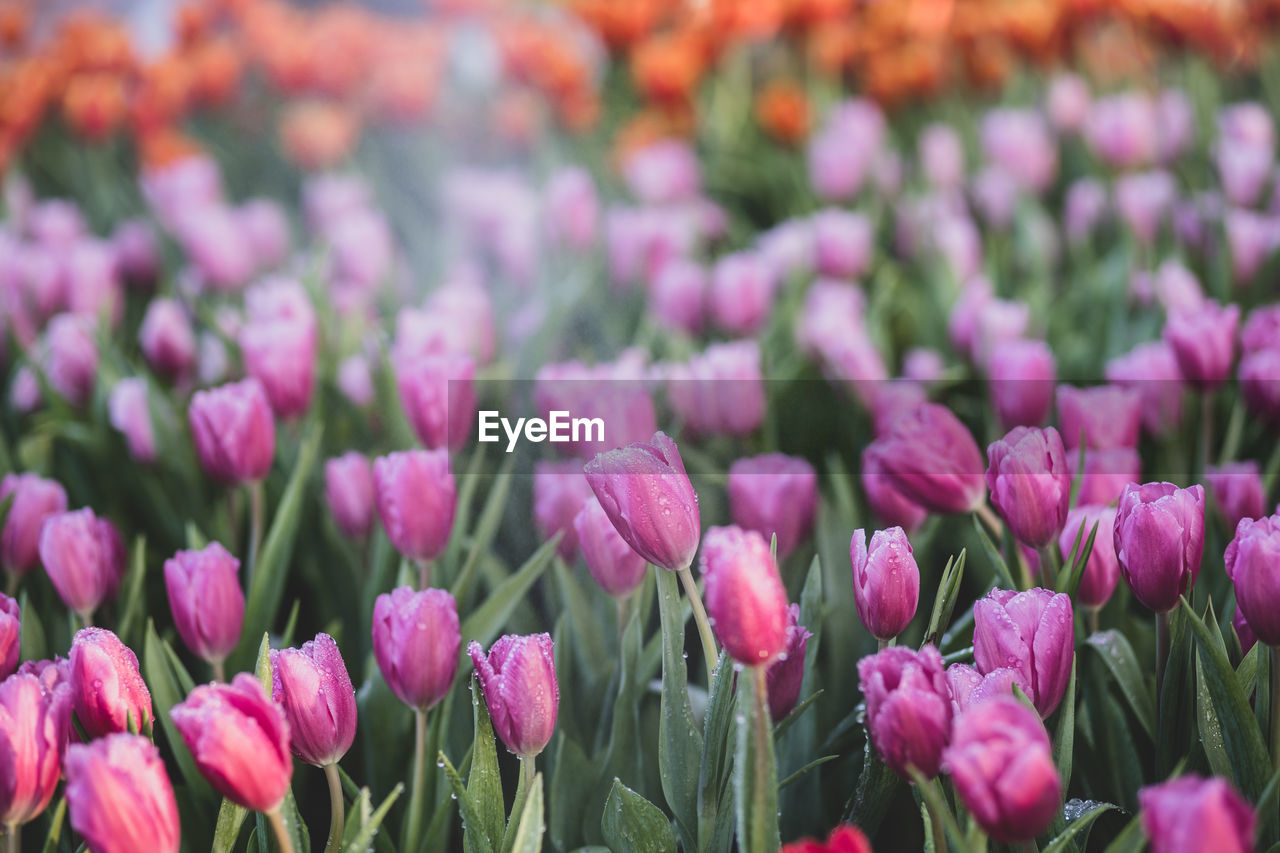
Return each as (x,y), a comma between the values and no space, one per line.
(348,487)
(1002,768)
(233,430)
(1030,483)
(206,600)
(1100,418)
(647,495)
(662,172)
(970,687)
(217,247)
(740,297)
(34,500)
(1253,564)
(1143,201)
(932,459)
(32,732)
(941,153)
(1260,384)
(677,296)
(137,253)
(1105,473)
(281,354)
(10,635)
(1160,541)
(1021,374)
(1204,342)
(719,391)
(130,413)
(572,208)
(785,676)
(1236,488)
(559,488)
(416,500)
(84,557)
(416,637)
(119,796)
(746,602)
(518,679)
(1191,813)
(107,690)
(889,505)
(843,839)
(610,560)
(313,687)
(239,739)
(438,396)
(1261,330)
(71,357)
(1031,632)
(355,380)
(774,494)
(1103,569)
(843,243)
(908,708)
(886,581)
(266,230)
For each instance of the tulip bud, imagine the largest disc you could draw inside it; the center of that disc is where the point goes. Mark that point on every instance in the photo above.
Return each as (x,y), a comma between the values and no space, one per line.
(719,391)
(908,708)
(1031,632)
(1253,564)
(416,500)
(313,687)
(137,253)
(266,230)
(618,569)
(206,600)
(1103,569)
(774,494)
(234,433)
(130,413)
(677,296)
(34,500)
(1105,473)
(559,488)
(746,602)
(32,733)
(1101,418)
(741,293)
(970,687)
(1002,768)
(10,635)
(239,739)
(439,398)
(1260,384)
(889,505)
(84,557)
(119,796)
(281,354)
(1261,330)
(572,208)
(1159,541)
(168,341)
(1191,813)
(1030,483)
(348,487)
(941,153)
(886,581)
(416,637)
(355,381)
(932,459)
(843,243)
(1237,490)
(1204,342)
(785,676)
(1083,209)
(1021,375)
(647,495)
(107,690)
(71,357)
(518,679)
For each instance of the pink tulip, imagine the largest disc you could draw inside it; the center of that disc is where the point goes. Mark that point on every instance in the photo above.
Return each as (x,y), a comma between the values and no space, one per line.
(281,354)
(234,431)
(10,635)
(1159,537)
(1021,374)
(1030,483)
(746,601)
(931,459)
(740,296)
(1103,569)
(206,600)
(1191,813)
(886,581)
(416,499)
(785,676)
(348,488)
(970,687)
(313,687)
(71,357)
(610,560)
(719,391)
(416,637)
(438,396)
(908,708)
(1204,342)
(1031,632)
(130,412)
(1102,417)
(1253,564)
(107,690)
(843,243)
(84,557)
(34,500)
(774,494)
(678,295)
(32,733)
(518,679)
(1237,489)
(119,796)
(572,208)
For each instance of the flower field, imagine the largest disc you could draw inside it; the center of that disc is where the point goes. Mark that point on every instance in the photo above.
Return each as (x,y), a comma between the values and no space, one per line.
(648,426)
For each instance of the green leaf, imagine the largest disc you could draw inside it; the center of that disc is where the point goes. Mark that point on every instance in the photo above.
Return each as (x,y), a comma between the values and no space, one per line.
(368,827)
(717,755)
(1130,840)
(528,836)
(1069,576)
(632,824)
(930,791)
(487,620)
(477,841)
(132,592)
(780,728)
(467,483)
(871,798)
(56,820)
(572,788)
(1176,718)
(262,666)
(486,528)
(165,693)
(1116,652)
(1003,577)
(33,642)
(624,753)
(1266,808)
(484,783)
(817,762)
(944,603)
(1086,814)
(230,819)
(1065,734)
(679,742)
(755,771)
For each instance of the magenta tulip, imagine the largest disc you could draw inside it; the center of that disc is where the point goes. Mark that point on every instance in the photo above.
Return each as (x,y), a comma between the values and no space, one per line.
(281,354)
(1190,813)
(1030,483)
(1099,418)
(10,635)
(348,489)
(1102,571)
(107,690)
(234,433)
(1204,343)
(313,687)
(886,581)
(559,488)
(908,708)
(1032,632)
(416,499)
(615,566)
(970,687)
(1021,374)
(746,601)
(438,396)
(1253,564)
(32,733)
(785,676)
(120,798)
(206,600)
(1159,540)
(1105,473)
(168,339)
(1151,370)
(518,679)
(71,357)
(889,505)
(416,638)
(932,459)
(34,500)
(84,557)
(774,494)
(1236,488)
(1260,384)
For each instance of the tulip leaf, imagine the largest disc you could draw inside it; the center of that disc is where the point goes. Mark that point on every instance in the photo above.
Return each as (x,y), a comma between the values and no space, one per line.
(714,772)
(679,742)
(780,728)
(1116,652)
(573,790)
(230,820)
(632,824)
(812,765)
(876,787)
(1086,814)
(944,603)
(474,837)
(132,592)
(33,643)
(1069,576)
(528,834)
(56,820)
(262,667)
(486,528)
(1065,735)
(487,620)
(1003,577)
(366,832)
(484,783)
(930,791)
(1130,840)
(1176,718)
(165,693)
(1251,666)
(755,771)
(467,482)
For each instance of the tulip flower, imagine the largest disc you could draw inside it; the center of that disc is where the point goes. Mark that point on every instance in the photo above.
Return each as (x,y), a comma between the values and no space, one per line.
(970,687)
(719,391)
(119,796)
(559,488)
(572,208)
(1105,473)
(1204,343)
(10,635)
(1031,632)
(1260,384)
(746,601)
(313,687)
(1159,541)
(348,488)
(130,413)
(785,676)
(1253,564)
(774,494)
(1030,483)
(416,637)
(1002,768)
(1244,633)
(843,243)
(908,708)
(1192,813)
(234,431)
(438,396)
(1237,489)
(889,505)
(843,839)
(741,292)
(84,557)
(1152,371)
(1102,571)
(34,499)
(610,560)
(1099,418)
(137,253)
(886,581)
(932,459)
(1021,374)
(518,679)
(71,357)
(281,354)
(207,601)
(107,690)
(416,500)
(32,733)
(167,338)
(677,296)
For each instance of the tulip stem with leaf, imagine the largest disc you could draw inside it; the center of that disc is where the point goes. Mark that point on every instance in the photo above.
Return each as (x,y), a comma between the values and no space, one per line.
(337,810)
(700,618)
(276,819)
(1163,640)
(12,838)
(413,822)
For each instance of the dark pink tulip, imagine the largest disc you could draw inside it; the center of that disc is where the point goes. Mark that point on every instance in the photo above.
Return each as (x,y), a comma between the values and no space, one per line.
(239,739)
(1190,813)
(719,391)
(1105,473)
(892,399)
(740,297)
(313,687)
(1236,488)
(890,505)
(71,357)
(1030,483)
(206,600)
(1021,374)
(677,296)
(1260,383)
(119,796)
(84,557)
(1253,564)
(1160,541)
(774,494)
(234,432)
(416,499)
(1032,632)
(932,459)
(130,413)
(1101,417)
(1204,342)
(281,354)
(610,560)
(785,676)
(107,690)
(348,487)
(32,733)
(843,243)
(518,678)
(746,602)
(34,499)
(999,321)
(438,396)
(10,635)
(1103,569)
(970,687)
(1002,768)
(217,247)
(416,637)
(908,708)
(1244,633)
(137,253)
(559,488)
(886,581)
(167,338)
(1261,330)
(647,495)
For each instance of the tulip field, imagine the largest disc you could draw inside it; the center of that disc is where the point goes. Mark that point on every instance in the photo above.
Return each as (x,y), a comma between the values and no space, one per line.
(646,426)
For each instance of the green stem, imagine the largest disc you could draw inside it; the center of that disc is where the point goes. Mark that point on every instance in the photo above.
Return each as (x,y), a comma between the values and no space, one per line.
(700,617)
(11,584)
(623,608)
(337,810)
(528,769)
(255,526)
(413,824)
(12,843)
(1206,430)
(1091,614)
(282,834)
(424,573)
(939,828)
(1162,652)
(882,644)
(219,671)
(994,525)
(1275,708)
(766,775)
